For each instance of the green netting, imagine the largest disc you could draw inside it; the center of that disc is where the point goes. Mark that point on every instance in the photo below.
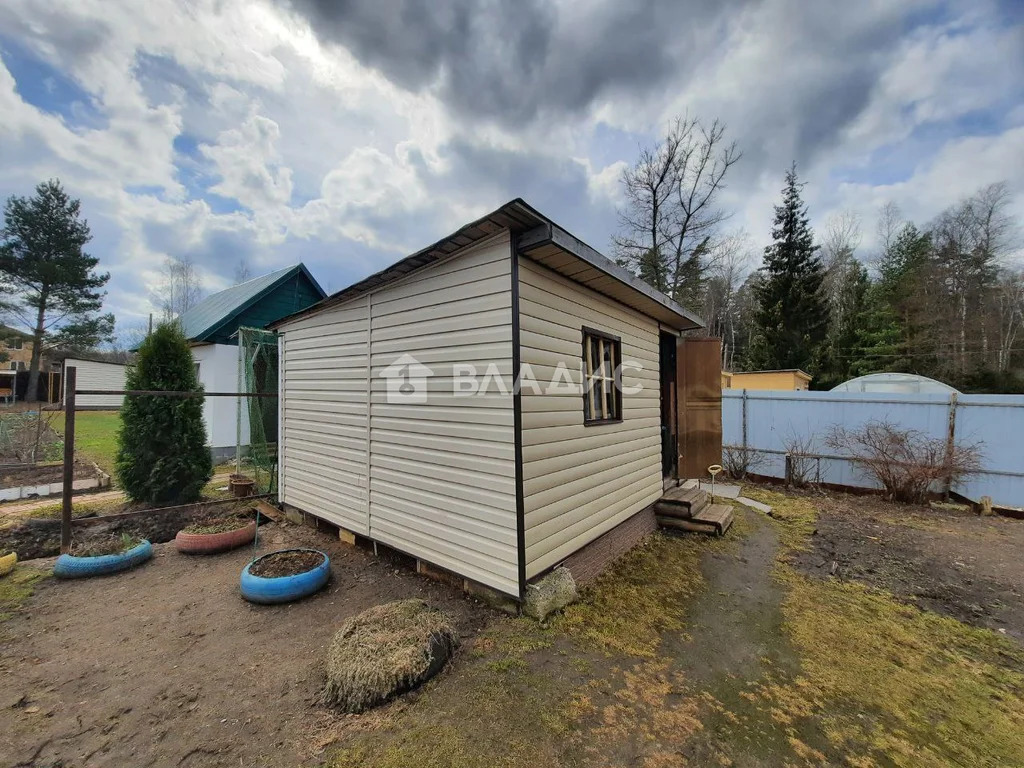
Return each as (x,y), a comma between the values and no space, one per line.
(258,373)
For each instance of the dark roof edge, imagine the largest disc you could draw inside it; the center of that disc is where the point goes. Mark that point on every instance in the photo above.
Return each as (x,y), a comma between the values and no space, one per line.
(299,268)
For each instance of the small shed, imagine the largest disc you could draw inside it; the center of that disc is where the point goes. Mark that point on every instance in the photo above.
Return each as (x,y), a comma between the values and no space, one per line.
(211,327)
(96,374)
(490,405)
(789,379)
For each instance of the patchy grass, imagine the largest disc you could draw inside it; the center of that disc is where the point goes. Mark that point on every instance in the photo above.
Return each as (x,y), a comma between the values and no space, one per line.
(881,682)
(899,685)
(78,509)
(16,587)
(796,516)
(643,595)
(96,437)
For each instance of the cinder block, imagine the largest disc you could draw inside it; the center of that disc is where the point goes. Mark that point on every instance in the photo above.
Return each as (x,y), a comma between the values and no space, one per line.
(346,537)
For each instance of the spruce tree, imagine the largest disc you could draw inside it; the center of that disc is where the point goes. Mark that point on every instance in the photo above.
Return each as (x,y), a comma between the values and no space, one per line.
(162,455)
(792,314)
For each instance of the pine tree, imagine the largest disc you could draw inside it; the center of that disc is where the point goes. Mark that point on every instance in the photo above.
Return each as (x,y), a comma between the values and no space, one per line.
(58,289)
(162,455)
(792,315)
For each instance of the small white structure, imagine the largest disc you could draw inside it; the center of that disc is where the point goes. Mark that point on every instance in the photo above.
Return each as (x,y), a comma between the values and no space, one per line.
(895,383)
(401,421)
(211,327)
(96,374)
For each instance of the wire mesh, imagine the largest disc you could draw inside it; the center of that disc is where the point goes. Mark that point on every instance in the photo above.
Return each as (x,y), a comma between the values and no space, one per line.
(258,350)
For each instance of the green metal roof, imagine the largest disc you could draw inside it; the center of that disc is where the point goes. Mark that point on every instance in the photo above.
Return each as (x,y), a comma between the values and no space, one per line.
(214,312)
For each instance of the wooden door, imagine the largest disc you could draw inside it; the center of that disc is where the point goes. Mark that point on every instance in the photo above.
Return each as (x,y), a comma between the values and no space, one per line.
(699,382)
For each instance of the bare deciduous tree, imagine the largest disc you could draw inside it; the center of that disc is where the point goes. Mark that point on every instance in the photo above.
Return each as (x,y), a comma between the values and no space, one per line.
(242,271)
(671,220)
(179,287)
(730,264)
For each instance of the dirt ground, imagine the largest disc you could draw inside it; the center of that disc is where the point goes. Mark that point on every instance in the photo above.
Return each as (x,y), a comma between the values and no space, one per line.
(747,650)
(943,558)
(166,665)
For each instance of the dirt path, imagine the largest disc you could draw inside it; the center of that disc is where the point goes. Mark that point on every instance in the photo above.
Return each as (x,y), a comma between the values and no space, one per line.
(733,641)
(167,666)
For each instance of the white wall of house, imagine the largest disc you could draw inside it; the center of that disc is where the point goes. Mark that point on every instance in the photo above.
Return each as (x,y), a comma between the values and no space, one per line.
(434,479)
(218,372)
(581,481)
(95,375)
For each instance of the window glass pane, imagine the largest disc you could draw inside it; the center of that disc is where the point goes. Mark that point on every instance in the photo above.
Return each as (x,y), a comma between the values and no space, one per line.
(602,357)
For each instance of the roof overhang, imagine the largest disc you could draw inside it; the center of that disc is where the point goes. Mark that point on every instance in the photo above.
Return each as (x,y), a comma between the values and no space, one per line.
(539,238)
(552,246)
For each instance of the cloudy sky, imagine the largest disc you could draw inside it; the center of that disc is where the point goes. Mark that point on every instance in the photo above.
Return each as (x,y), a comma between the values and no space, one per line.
(346,137)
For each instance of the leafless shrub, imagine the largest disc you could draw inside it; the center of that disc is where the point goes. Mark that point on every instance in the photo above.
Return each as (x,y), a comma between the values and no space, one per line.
(28,437)
(906,462)
(739,460)
(801,459)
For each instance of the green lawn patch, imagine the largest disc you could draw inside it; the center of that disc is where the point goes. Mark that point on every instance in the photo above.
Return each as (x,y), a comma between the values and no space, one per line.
(95,436)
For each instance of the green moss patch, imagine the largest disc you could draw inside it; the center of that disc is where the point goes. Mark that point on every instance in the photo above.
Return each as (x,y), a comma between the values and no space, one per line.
(16,587)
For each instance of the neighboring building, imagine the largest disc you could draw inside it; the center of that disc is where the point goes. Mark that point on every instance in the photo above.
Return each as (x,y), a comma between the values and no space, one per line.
(791,379)
(726,380)
(18,347)
(211,326)
(96,374)
(902,383)
(381,436)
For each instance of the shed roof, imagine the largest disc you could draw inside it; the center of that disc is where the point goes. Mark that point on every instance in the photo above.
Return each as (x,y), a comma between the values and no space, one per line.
(539,238)
(217,309)
(798,371)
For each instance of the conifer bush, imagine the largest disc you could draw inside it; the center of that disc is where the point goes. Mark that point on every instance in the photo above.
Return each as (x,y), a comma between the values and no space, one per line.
(162,456)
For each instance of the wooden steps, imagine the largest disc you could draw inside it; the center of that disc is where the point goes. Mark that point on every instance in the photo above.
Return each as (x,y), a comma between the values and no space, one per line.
(688,508)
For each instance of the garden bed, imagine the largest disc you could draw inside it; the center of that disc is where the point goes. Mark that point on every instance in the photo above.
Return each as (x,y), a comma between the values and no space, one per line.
(40,537)
(39,480)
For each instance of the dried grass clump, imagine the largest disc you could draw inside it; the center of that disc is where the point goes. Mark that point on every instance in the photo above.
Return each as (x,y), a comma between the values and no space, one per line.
(385,651)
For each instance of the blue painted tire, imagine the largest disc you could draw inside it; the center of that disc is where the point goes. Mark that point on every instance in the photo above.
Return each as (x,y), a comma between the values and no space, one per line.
(72,567)
(284,589)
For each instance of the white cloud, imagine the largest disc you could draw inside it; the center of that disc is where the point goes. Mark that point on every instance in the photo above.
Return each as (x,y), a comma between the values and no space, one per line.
(322,157)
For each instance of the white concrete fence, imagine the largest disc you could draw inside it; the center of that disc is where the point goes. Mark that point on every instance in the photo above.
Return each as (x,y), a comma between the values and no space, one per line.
(769,424)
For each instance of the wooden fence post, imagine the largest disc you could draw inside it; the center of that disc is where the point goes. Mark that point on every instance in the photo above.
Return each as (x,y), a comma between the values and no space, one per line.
(69,459)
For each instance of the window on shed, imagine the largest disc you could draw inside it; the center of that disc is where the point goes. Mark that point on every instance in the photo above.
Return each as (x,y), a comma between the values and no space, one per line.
(602,393)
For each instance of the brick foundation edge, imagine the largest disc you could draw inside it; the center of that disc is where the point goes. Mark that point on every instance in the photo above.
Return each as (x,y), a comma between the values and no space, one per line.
(588,563)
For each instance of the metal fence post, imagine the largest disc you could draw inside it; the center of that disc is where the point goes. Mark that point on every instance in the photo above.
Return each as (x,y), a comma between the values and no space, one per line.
(744,421)
(69,459)
(950,445)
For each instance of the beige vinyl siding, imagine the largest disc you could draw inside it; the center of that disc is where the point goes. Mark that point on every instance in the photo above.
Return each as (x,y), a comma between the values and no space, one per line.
(581,481)
(438,481)
(323,415)
(442,474)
